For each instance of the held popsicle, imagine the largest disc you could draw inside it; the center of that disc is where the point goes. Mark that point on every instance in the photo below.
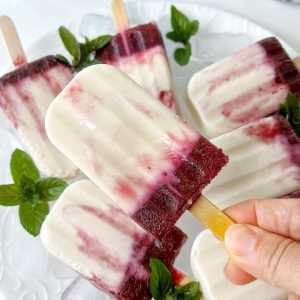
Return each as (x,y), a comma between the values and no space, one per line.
(140,53)
(25,95)
(242,88)
(264,162)
(93,236)
(148,160)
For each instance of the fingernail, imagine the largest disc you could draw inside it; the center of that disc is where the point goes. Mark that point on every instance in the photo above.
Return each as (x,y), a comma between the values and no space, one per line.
(240,239)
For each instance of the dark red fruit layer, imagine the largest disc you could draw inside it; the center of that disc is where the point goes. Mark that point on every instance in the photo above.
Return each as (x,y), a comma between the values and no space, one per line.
(286,71)
(168,248)
(169,201)
(165,250)
(30,69)
(292,195)
(139,38)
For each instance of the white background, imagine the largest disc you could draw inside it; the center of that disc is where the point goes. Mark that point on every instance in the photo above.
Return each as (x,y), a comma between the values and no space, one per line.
(34,18)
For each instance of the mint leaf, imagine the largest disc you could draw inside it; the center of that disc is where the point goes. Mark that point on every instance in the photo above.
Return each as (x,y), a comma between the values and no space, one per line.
(180,24)
(99,42)
(172,35)
(21,164)
(88,63)
(194,27)
(33,216)
(62,59)
(84,52)
(190,291)
(183,29)
(49,189)
(291,111)
(10,195)
(182,55)
(70,43)
(160,279)
(28,190)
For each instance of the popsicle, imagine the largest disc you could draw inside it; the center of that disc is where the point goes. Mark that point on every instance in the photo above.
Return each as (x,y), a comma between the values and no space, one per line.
(147,160)
(25,95)
(89,233)
(264,162)
(139,52)
(242,88)
(208,269)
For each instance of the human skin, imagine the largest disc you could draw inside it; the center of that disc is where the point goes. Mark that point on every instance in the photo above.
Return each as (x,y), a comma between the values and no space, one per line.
(265,244)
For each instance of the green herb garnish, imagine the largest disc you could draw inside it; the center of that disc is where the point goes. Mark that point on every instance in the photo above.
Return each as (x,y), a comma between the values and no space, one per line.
(161,286)
(291,111)
(183,29)
(31,192)
(83,54)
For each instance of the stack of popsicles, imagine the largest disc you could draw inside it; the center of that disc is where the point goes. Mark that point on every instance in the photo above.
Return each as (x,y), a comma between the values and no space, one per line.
(264,154)
(147,165)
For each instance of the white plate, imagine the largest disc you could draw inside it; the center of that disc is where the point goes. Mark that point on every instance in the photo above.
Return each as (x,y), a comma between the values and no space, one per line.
(27,272)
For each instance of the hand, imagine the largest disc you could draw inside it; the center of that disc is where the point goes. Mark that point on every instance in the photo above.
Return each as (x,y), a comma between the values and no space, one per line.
(269,247)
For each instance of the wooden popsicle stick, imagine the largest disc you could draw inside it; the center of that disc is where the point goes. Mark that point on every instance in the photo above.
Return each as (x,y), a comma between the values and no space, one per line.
(296,61)
(120,15)
(210,216)
(12,42)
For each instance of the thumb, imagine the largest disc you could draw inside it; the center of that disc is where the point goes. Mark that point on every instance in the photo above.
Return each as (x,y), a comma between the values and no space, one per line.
(267,256)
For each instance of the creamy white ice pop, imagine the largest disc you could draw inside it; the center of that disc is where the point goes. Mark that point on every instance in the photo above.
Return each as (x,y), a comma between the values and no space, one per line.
(25,95)
(242,88)
(148,160)
(208,269)
(93,236)
(264,162)
(140,53)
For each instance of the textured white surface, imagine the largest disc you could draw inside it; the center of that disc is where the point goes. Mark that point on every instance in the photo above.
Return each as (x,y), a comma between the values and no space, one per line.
(220,35)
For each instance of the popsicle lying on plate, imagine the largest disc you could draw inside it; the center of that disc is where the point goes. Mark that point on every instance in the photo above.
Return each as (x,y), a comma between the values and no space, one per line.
(89,233)
(208,269)
(242,88)
(25,95)
(147,160)
(264,162)
(139,52)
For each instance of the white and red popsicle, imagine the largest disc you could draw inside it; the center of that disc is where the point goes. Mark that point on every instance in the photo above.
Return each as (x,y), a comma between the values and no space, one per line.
(25,95)
(148,160)
(93,236)
(242,88)
(140,53)
(264,162)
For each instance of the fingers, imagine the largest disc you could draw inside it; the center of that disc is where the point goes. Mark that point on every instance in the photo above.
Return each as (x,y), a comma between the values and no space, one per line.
(236,274)
(280,216)
(293,297)
(265,255)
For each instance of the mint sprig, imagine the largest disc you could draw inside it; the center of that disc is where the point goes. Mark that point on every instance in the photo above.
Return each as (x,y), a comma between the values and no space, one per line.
(83,54)
(291,111)
(183,30)
(161,286)
(31,192)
